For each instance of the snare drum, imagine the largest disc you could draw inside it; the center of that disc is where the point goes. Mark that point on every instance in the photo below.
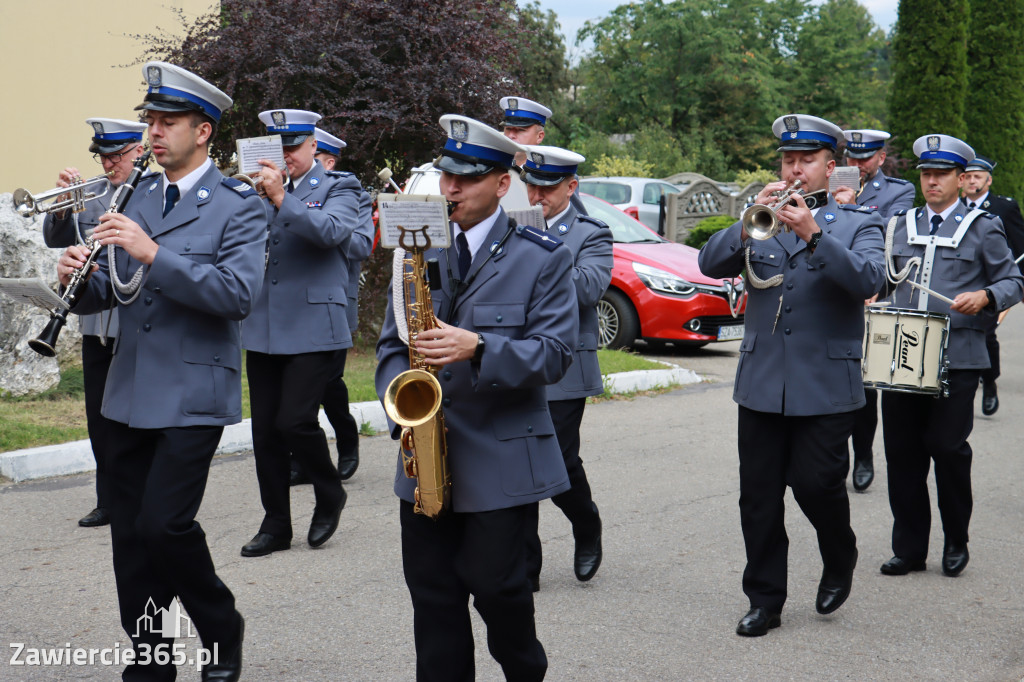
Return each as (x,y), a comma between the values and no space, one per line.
(905,351)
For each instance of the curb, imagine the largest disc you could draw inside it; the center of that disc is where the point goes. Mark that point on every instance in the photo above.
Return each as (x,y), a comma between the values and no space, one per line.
(76,457)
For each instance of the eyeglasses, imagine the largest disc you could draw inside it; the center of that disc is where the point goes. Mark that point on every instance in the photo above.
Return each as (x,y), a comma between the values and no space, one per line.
(112,158)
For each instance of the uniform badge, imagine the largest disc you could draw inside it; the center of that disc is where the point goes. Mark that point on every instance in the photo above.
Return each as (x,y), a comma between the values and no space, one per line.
(494,245)
(933,143)
(202,193)
(537,158)
(857,137)
(313,182)
(791,123)
(830,217)
(513,103)
(958,218)
(98,127)
(792,136)
(278,118)
(314,204)
(563,228)
(153,76)
(876,184)
(460,131)
(152,187)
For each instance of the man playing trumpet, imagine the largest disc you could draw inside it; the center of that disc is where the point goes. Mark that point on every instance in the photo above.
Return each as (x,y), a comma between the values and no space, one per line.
(115,145)
(798,380)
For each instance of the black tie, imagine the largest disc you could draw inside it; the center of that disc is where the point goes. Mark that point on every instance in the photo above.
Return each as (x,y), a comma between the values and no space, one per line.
(972,205)
(291,187)
(171,198)
(465,258)
(936,221)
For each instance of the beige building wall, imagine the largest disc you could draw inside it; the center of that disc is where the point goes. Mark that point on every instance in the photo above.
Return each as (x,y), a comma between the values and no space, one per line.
(63,61)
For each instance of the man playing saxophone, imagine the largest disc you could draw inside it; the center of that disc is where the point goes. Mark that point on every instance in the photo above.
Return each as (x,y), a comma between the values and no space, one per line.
(506,325)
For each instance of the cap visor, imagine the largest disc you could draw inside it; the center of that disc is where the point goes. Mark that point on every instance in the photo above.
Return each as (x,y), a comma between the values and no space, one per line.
(517,122)
(804,146)
(860,154)
(531,177)
(292,140)
(460,167)
(935,163)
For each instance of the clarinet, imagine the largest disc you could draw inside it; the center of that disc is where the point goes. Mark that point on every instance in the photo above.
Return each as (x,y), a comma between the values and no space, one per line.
(46,342)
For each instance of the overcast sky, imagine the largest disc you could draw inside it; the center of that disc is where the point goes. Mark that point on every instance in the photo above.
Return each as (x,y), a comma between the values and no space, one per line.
(572,13)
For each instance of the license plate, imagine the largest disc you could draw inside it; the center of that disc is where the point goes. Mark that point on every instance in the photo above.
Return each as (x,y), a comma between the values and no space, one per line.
(730,332)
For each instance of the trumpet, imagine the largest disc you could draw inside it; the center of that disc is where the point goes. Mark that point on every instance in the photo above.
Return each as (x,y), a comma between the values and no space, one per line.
(256,182)
(28,204)
(761,221)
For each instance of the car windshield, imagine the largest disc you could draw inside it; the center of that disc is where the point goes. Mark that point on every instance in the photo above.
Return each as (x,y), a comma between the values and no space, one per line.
(625,230)
(612,192)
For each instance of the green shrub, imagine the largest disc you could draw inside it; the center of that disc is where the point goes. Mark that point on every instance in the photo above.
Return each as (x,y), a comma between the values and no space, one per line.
(765,175)
(621,165)
(700,234)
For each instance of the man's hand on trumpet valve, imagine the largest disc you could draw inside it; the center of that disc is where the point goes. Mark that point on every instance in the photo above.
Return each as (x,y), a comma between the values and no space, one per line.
(273,182)
(797,217)
(72,259)
(119,230)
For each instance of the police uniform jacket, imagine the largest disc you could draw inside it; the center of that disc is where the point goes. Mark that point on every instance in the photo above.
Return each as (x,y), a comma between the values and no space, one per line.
(58,232)
(590,242)
(809,362)
(177,359)
(886,195)
(982,260)
(358,250)
(502,448)
(301,307)
(1008,211)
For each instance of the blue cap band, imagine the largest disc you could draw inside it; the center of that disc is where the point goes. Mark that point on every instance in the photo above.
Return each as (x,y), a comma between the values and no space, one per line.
(207,107)
(864,146)
(944,156)
(324,147)
(808,135)
(551,168)
(293,128)
(115,137)
(476,151)
(523,113)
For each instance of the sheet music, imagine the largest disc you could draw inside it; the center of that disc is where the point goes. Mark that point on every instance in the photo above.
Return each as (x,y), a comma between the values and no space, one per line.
(252,149)
(533,216)
(848,176)
(413,213)
(32,291)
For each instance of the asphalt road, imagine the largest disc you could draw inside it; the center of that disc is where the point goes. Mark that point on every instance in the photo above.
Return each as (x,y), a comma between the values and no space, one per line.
(663,606)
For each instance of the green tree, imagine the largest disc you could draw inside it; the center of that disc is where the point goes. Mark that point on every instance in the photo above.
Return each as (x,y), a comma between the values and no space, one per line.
(994,110)
(543,69)
(929,73)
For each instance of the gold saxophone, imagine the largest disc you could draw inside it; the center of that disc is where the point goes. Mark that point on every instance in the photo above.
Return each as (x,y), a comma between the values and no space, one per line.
(413,398)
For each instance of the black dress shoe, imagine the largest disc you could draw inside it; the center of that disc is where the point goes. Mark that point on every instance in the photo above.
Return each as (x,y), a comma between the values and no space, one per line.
(228,667)
(97,517)
(989,399)
(757,622)
(954,560)
(588,556)
(900,566)
(325,522)
(348,463)
(863,473)
(297,477)
(833,590)
(263,544)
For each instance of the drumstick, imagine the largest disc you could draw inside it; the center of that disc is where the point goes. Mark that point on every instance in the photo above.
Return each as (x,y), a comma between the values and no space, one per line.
(931,292)
(1019,259)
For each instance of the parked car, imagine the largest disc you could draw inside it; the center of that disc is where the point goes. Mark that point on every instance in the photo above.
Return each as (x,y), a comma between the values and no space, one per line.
(658,292)
(640,198)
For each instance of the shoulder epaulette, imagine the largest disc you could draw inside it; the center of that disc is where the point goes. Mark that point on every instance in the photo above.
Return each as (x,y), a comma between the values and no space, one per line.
(903,211)
(337,174)
(546,240)
(899,180)
(240,187)
(591,219)
(855,207)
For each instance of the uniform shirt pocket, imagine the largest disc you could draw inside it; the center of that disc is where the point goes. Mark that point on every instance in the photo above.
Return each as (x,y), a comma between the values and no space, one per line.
(524,470)
(210,369)
(329,323)
(498,315)
(845,383)
(766,261)
(197,247)
(956,262)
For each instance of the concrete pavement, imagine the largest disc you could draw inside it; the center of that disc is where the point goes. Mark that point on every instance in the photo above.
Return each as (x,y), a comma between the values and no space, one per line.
(663,606)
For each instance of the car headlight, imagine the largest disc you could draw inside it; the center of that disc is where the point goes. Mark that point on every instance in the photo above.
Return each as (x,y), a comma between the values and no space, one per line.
(662,281)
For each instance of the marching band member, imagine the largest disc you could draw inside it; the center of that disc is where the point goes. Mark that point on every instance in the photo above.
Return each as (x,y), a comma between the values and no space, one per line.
(508,322)
(550,176)
(116,144)
(798,380)
(977,183)
(298,333)
(175,378)
(865,149)
(523,123)
(963,255)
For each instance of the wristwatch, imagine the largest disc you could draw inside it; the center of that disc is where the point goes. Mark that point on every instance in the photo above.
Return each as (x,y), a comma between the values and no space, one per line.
(812,243)
(479,352)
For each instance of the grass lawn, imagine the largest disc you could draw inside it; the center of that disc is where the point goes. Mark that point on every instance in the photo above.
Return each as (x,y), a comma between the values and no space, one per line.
(58,416)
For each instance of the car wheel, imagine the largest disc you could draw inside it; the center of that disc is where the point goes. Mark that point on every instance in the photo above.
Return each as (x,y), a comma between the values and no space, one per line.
(616,320)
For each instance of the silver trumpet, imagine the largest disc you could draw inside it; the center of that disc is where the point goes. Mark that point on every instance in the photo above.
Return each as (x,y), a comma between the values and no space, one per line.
(761,221)
(79,192)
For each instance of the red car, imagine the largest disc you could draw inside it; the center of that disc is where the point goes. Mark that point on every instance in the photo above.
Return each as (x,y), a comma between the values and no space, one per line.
(657,291)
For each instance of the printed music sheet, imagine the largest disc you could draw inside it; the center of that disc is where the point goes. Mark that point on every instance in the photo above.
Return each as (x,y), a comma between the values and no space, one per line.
(410,220)
(32,291)
(844,176)
(252,149)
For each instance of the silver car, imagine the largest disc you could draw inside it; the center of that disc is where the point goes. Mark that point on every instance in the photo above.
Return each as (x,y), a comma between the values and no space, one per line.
(637,197)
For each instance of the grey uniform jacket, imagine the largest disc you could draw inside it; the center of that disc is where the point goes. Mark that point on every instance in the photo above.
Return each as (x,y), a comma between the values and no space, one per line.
(981,261)
(886,195)
(501,442)
(590,242)
(177,359)
(359,248)
(58,232)
(809,363)
(301,307)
